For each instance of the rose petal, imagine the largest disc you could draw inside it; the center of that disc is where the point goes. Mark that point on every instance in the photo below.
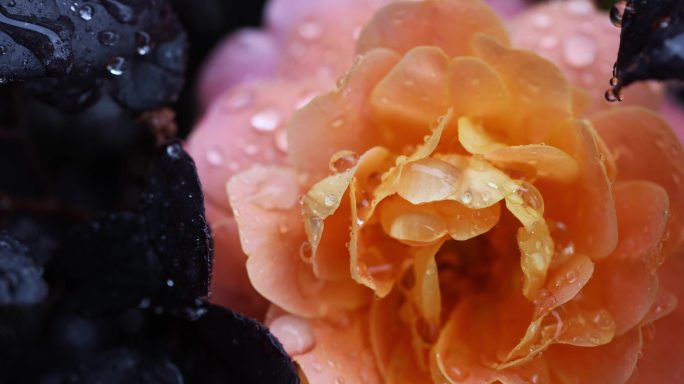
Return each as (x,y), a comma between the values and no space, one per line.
(543,98)
(404,25)
(337,120)
(427,180)
(413,94)
(250,54)
(547,162)
(342,353)
(628,274)
(576,36)
(411,224)
(230,286)
(272,239)
(586,205)
(610,363)
(476,89)
(243,127)
(635,134)
(663,357)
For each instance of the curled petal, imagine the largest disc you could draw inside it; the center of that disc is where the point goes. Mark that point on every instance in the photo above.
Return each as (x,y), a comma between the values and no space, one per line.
(474,139)
(427,180)
(634,134)
(411,224)
(480,185)
(427,293)
(272,238)
(463,223)
(406,24)
(545,161)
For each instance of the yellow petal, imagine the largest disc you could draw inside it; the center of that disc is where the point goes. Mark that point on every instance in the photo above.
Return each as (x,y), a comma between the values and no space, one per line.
(545,161)
(411,224)
(427,180)
(474,139)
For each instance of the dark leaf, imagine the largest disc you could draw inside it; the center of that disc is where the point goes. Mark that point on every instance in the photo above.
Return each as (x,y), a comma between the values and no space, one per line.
(108,265)
(21,282)
(225,347)
(173,205)
(125,366)
(651,42)
(74,51)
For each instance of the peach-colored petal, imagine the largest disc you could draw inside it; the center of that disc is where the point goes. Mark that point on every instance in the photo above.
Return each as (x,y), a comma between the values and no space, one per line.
(463,223)
(610,363)
(342,352)
(635,134)
(427,295)
(544,161)
(474,139)
(582,42)
(476,89)
(413,93)
(480,184)
(272,236)
(542,97)
(473,324)
(406,24)
(628,274)
(337,120)
(427,180)
(230,286)
(411,224)
(663,355)
(585,206)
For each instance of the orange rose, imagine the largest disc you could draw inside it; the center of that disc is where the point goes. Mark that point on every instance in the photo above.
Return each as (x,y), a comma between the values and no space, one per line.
(459,223)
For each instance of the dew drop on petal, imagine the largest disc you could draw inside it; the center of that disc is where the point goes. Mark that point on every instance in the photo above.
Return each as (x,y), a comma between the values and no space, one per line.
(579,51)
(280,139)
(579,7)
(310,30)
(542,21)
(467,197)
(214,157)
(238,100)
(294,333)
(251,150)
(343,160)
(266,120)
(458,374)
(330,200)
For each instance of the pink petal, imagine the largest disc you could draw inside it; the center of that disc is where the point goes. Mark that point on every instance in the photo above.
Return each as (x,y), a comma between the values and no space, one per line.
(244,56)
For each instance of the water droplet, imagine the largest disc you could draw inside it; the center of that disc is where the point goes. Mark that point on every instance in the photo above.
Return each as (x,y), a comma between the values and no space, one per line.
(173,151)
(571,277)
(579,51)
(603,320)
(337,122)
(121,12)
(214,157)
(617,12)
(330,200)
(305,252)
(251,150)
(238,100)
(3,80)
(108,38)
(548,42)
(143,43)
(467,197)
(458,374)
(541,20)
(280,139)
(579,7)
(343,160)
(86,12)
(170,283)
(12,3)
(310,30)
(117,66)
(294,333)
(266,120)
(612,95)
(3,50)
